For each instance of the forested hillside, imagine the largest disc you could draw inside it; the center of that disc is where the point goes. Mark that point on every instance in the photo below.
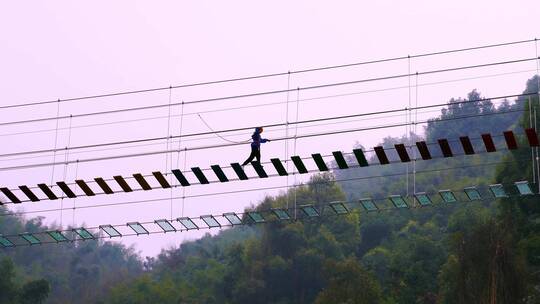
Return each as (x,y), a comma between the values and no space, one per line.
(476,252)
(80,272)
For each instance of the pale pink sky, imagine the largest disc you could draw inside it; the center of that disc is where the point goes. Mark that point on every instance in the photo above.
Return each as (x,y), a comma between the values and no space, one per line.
(62,49)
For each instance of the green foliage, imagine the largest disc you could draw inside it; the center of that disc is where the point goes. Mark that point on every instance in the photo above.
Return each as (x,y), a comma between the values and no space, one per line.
(80,272)
(35,292)
(485,266)
(31,292)
(344,279)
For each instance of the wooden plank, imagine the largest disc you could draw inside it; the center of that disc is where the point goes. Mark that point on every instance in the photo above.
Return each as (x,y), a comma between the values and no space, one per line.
(48,192)
(219,173)
(103,185)
(279,167)
(299,164)
(142,181)
(340,160)
(467,145)
(445,148)
(402,152)
(488,142)
(200,175)
(510,139)
(82,184)
(12,197)
(239,171)
(259,169)
(66,189)
(319,161)
(29,193)
(180,177)
(360,157)
(532,137)
(161,179)
(423,149)
(123,184)
(381,155)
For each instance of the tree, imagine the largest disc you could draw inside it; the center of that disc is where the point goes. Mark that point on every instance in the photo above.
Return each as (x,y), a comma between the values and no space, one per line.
(34,292)
(349,283)
(8,289)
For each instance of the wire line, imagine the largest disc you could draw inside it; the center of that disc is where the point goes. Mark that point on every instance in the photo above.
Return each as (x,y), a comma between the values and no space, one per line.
(271,74)
(267,126)
(320,86)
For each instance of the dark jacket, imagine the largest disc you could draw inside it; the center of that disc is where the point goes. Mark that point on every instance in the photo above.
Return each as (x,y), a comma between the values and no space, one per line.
(257,140)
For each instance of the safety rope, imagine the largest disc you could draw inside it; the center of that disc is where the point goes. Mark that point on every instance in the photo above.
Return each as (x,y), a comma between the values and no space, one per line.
(407,121)
(294,146)
(415,124)
(168,156)
(538,90)
(75,198)
(66,164)
(178,156)
(287,135)
(217,134)
(55,141)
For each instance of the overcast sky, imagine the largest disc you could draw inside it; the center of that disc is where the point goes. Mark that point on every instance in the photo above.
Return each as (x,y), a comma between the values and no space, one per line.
(61,49)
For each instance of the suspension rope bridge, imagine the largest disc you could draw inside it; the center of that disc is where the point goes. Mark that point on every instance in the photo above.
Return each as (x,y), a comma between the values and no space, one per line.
(307,211)
(406,153)
(421,146)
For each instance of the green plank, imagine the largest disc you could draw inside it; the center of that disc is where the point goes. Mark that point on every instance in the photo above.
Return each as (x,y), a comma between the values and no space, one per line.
(5,242)
(472,193)
(448,196)
(210,221)
(310,210)
(110,230)
(398,201)
(368,204)
(423,199)
(58,236)
(31,239)
(256,217)
(83,233)
(339,208)
(498,190)
(282,214)
(165,225)
(138,228)
(233,218)
(187,223)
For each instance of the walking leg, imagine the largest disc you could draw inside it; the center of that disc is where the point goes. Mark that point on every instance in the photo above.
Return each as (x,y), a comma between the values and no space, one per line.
(258,155)
(250,158)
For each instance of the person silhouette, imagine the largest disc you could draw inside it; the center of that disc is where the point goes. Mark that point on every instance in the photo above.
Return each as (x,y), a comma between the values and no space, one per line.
(256,146)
